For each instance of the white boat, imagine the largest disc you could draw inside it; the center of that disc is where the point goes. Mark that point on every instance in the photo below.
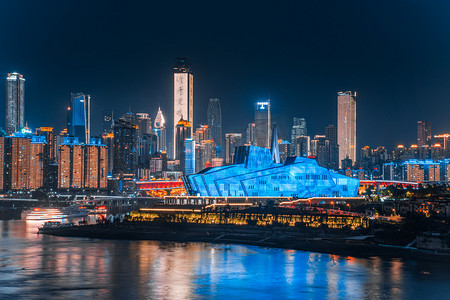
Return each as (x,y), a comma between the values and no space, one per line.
(41,213)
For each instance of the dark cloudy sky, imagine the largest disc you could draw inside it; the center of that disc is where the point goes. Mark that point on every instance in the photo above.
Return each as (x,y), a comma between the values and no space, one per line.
(395,54)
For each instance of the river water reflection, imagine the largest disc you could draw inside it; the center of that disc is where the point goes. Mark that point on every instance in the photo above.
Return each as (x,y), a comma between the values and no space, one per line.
(44,267)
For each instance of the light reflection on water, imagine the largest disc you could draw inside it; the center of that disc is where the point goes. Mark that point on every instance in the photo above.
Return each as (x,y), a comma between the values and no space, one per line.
(36,266)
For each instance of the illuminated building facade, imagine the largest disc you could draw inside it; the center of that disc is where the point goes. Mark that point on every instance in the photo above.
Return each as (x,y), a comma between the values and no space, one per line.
(262,124)
(82,166)
(255,174)
(78,117)
(15,103)
(183,132)
(183,95)
(160,130)
(301,146)
(16,163)
(332,136)
(346,125)
(214,117)
(189,156)
(37,162)
(108,140)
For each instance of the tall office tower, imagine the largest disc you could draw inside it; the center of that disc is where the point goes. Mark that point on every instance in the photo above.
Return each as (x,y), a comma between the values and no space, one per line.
(38,162)
(444,141)
(214,116)
(160,130)
(285,148)
(16,163)
(183,95)
(108,140)
(108,121)
(262,124)
(189,160)
(331,136)
(250,135)
(302,146)
(129,117)
(79,117)
(70,164)
(232,140)
(346,126)
(2,157)
(298,129)
(124,149)
(144,123)
(423,133)
(15,103)
(183,132)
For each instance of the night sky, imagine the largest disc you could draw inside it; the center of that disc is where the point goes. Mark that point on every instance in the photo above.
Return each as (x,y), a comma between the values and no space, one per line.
(395,54)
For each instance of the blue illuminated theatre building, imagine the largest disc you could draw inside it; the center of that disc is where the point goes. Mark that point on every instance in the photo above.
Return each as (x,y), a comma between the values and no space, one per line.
(255,174)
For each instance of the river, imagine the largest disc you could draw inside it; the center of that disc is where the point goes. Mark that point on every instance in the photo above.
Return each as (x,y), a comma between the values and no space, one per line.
(36,266)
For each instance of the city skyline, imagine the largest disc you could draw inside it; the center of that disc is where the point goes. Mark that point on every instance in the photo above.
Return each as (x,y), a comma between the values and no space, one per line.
(390,71)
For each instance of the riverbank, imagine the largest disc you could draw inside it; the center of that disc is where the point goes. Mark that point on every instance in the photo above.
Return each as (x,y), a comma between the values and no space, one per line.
(356,246)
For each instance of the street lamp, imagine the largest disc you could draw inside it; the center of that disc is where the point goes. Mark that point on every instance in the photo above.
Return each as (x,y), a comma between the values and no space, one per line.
(348,205)
(332,203)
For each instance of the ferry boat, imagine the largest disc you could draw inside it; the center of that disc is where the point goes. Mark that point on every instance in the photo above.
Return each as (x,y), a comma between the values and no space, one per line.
(51,225)
(40,213)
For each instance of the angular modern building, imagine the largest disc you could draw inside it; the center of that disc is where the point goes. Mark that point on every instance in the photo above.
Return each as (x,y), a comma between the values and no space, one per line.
(183,95)
(346,125)
(254,174)
(15,103)
(79,117)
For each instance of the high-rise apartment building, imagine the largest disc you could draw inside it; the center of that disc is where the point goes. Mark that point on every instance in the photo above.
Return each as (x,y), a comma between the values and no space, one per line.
(144,123)
(79,117)
(82,166)
(346,125)
(423,133)
(262,124)
(301,146)
(15,103)
(38,162)
(183,95)
(214,117)
(160,130)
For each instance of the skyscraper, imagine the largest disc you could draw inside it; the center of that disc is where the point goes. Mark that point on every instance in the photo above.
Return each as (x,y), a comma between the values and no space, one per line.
(189,160)
(108,121)
(183,94)
(160,130)
(124,149)
(144,123)
(232,140)
(79,117)
(423,133)
(183,132)
(15,103)
(250,135)
(298,129)
(347,125)
(262,124)
(214,117)
(331,136)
